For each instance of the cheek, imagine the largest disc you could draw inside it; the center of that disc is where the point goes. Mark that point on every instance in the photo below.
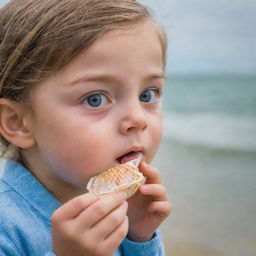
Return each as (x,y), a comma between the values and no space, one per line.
(158,127)
(86,148)
(87,154)
(155,136)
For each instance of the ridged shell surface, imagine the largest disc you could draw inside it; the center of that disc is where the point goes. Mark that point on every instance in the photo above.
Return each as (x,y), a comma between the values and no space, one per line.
(123,177)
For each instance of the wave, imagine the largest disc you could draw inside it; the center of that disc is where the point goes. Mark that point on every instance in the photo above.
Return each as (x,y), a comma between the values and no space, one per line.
(213,130)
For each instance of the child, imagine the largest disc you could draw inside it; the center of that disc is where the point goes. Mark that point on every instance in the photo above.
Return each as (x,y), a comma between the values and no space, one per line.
(80,85)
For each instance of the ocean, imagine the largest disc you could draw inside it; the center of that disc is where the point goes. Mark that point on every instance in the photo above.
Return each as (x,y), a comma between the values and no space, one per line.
(208,162)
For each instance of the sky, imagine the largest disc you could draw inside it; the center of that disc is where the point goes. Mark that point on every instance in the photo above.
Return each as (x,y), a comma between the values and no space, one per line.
(206,36)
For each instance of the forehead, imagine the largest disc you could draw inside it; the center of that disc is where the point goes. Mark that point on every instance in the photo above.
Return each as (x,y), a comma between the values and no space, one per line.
(140,42)
(147,28)
(143,33)
(123,54)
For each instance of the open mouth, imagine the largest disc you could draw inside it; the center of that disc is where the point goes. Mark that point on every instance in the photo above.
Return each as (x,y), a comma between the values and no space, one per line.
(129,156)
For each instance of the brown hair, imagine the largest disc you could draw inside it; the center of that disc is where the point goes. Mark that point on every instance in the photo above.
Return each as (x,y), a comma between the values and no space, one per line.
(38,37)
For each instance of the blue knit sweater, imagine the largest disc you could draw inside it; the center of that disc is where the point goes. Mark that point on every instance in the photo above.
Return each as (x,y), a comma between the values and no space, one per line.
(26,207)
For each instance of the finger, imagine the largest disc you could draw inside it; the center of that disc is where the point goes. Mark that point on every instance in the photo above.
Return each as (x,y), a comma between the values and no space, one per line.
(74,207)
(97,211)
(152,174)
(162,208)
(118,235)
(157,191)
(105,226)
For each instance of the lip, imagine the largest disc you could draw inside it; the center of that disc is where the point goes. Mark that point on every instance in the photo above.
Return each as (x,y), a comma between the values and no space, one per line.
(131,154)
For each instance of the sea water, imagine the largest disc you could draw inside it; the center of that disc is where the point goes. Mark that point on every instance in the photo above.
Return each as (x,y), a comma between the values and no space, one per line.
(217,112)
(208,162)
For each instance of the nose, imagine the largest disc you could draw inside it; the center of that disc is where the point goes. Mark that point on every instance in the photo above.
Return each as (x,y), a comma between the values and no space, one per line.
(134,119)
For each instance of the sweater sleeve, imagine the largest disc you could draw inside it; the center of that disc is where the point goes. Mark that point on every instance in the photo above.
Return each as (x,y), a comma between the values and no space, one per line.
(154,247)
(7,248)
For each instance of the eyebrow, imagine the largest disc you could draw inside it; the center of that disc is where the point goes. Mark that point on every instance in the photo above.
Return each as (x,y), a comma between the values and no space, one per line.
(94,78)
(111,78)
(156,75)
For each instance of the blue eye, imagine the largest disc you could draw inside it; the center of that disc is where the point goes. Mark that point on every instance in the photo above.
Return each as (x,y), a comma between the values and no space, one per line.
(96,100)
(149,96)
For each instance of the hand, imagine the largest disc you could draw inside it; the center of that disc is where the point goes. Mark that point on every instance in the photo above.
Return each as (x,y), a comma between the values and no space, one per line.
(148,207)
(89,225)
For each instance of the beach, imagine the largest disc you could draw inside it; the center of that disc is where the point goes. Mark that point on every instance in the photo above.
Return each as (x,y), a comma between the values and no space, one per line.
(208,162)
(213,196)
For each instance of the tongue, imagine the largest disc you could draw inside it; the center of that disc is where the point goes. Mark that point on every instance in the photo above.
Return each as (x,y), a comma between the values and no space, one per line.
(133,158)
(127,158)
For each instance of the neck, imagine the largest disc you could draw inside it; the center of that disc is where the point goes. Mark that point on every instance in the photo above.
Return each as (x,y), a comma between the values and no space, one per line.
(59,188)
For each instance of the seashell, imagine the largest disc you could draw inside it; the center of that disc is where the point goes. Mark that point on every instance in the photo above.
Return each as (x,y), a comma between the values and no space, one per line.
(124,177)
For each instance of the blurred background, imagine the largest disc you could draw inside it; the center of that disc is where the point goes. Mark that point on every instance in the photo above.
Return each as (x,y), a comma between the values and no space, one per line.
(208,154)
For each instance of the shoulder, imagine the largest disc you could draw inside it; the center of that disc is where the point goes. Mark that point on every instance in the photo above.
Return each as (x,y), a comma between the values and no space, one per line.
(16,213)
(12,204)
(9,201)
(20,223)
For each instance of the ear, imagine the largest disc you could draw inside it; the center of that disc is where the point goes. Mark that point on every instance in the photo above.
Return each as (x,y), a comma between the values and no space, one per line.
(14,124)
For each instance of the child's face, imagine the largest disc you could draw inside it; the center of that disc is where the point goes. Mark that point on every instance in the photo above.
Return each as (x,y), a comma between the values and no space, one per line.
(101,106)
